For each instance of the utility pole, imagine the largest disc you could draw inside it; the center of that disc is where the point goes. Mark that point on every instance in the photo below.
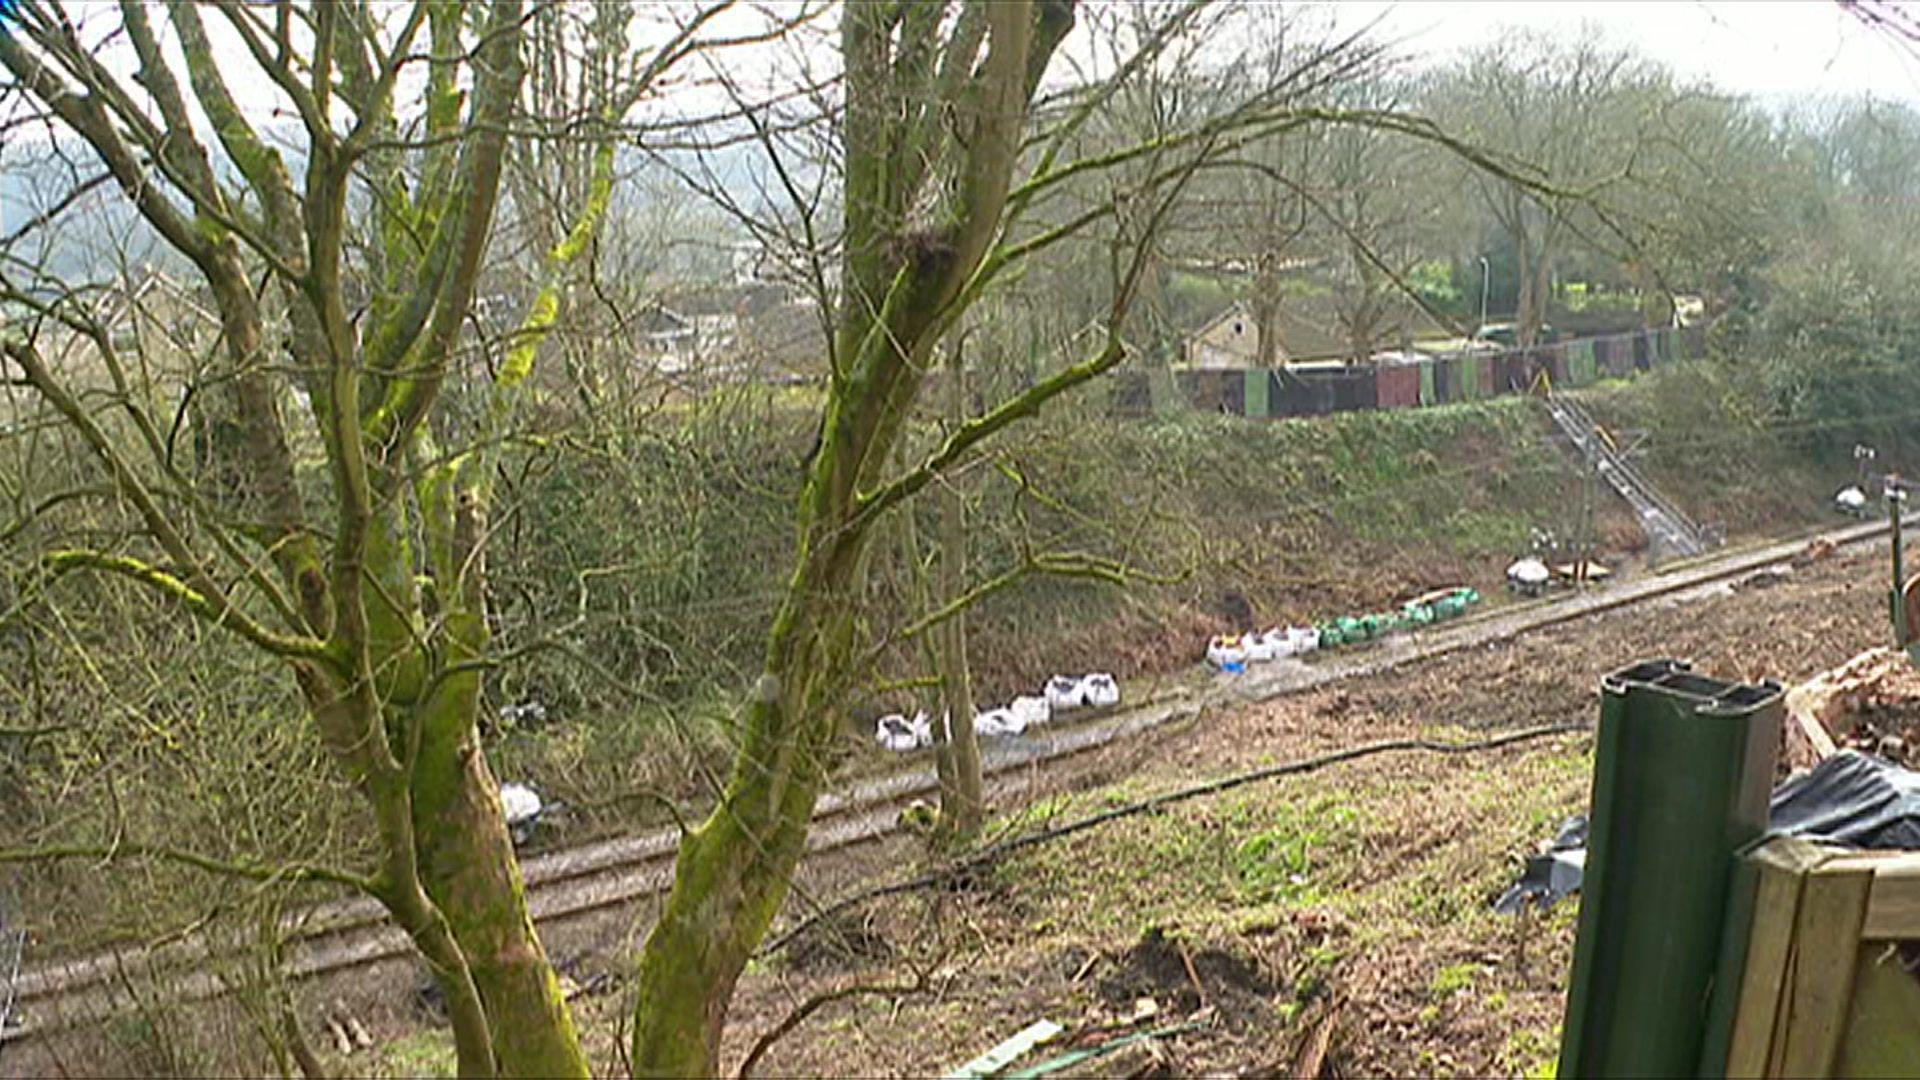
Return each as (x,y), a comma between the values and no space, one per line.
(1896,496)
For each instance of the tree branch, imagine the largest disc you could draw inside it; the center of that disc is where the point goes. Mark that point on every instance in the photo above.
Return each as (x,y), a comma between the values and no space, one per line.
(290,872)
(214,607)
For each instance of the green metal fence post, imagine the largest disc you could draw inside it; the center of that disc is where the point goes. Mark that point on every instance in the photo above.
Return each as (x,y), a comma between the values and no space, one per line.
(1259,381)
(1897,597)
(1682,769)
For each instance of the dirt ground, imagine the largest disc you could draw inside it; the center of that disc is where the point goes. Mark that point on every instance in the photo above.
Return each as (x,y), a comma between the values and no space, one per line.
(1354,898)
(1349,906)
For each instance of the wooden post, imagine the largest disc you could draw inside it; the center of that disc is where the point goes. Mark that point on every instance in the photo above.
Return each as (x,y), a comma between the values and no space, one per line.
(1811,984)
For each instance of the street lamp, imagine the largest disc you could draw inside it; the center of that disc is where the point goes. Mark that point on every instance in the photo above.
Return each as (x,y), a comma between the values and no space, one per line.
(1486,279)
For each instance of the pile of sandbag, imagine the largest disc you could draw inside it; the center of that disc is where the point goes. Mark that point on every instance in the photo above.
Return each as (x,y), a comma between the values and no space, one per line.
(1066,693)
(1233,652)
(897,733)
(523,808)
(1529,576)
(1062,694)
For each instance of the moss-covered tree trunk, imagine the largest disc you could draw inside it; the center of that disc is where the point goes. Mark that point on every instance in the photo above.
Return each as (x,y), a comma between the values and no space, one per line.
(962,788)
(735,868)
(923,110)
(468,865)
(390,672)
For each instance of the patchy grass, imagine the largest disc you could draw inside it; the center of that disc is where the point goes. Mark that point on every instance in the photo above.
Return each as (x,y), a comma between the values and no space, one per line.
(420,1054)
(1453,978)
(1367,884)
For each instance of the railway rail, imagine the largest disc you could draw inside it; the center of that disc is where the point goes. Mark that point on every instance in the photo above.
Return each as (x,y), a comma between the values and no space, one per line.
(339,936)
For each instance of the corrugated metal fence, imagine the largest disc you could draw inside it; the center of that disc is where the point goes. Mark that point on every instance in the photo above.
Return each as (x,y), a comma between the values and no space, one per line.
(1314,389)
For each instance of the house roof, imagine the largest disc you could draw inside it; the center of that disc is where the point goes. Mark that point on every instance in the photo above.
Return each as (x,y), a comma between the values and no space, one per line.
(661,319)
(1310,326)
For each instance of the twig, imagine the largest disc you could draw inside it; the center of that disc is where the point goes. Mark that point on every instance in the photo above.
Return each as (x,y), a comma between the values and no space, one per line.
(997,852)
(1193,975)
(814,1004)
(291,872)
(1310,1058)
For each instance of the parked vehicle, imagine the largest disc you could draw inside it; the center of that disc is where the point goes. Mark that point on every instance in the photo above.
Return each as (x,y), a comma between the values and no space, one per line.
(1508,334)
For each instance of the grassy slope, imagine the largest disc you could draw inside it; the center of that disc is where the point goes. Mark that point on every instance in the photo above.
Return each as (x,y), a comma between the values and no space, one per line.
(1708,449)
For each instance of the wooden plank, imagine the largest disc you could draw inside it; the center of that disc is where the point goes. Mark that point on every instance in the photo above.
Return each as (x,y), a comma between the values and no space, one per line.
(1893,909)
(1779,866)
(1833,907)
(1007,1052)
(1883,1033)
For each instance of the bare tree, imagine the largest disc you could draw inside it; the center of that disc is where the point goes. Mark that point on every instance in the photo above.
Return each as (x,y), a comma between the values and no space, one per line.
(338,344)
(1565,112)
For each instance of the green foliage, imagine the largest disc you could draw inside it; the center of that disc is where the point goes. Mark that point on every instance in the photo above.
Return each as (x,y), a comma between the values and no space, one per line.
(1276,863)
(1581,297)
(422,1054)
(1532,1053)
(1434,282)
(1714,432)
(1273,865)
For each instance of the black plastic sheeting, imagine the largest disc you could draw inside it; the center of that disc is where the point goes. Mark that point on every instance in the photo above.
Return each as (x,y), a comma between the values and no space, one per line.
(1851,798)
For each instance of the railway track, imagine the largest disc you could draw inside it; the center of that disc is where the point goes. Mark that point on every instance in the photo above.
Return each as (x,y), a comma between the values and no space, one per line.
(342,935)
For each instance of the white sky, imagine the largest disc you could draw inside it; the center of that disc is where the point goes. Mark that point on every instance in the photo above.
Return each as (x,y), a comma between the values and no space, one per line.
(1778,50)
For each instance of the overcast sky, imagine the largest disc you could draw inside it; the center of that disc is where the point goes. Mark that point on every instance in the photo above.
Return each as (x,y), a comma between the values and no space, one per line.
(1780,50)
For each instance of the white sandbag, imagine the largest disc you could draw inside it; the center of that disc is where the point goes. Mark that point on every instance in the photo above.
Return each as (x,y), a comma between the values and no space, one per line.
(1032,711)
(998,723)
(922,727)
(1065,693)
(1101,690)
(1279,641)
(519,803)
(1305,639)
(1851,500)
(895,732)
(524,714)
(1259,649)
(1529,572)
(1226,649)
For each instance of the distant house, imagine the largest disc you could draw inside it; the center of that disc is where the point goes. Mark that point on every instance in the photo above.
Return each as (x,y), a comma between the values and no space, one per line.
(757,332)
(669,339)
(674,343)
(1230,339)
(1309,328)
